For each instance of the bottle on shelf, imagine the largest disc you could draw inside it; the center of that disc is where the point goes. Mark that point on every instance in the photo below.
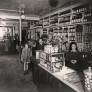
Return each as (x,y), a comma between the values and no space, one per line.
(76,18)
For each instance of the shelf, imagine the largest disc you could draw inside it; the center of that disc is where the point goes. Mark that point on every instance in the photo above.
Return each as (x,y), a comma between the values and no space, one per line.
(86,23)
(87,42)
(81,23)
(71,24)
(65,15)
(82,12)
(75,16)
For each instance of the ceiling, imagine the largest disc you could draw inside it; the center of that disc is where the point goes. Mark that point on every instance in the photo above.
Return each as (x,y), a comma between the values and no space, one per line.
(34,7)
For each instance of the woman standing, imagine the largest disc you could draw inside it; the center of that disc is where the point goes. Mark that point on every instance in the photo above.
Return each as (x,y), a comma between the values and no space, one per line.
(73,58)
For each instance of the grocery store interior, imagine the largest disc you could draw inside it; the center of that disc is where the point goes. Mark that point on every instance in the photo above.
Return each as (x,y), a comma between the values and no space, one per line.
(46,45)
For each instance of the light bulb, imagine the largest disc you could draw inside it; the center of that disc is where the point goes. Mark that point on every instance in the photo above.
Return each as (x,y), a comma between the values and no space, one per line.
(3,22)
(22,16)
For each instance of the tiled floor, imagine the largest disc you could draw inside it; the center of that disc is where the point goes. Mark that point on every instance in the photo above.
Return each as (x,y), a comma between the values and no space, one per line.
(12,78)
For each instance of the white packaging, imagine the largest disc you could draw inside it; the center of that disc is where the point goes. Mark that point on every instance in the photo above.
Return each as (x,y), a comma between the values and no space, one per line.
(37,54)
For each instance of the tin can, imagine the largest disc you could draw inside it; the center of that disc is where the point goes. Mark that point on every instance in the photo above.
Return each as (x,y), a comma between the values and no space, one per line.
(88,79)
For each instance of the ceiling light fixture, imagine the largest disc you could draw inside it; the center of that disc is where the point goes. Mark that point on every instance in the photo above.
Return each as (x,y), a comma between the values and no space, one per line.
(22,7)
(3,22)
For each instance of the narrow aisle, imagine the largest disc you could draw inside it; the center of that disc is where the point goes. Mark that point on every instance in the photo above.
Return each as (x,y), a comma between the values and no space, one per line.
(12,78)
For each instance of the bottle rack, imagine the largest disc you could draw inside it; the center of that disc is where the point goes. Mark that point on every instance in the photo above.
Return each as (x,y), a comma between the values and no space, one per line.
(64,17)
(45,31)
(68,18)
(41,21)
(79,37)
(71,33)
(87,16)
(54,20)
(70,15)
(87,37)
(76,18)
(46,21)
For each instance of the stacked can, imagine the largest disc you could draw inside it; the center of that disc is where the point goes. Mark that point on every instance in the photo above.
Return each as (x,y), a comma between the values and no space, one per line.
(88,79)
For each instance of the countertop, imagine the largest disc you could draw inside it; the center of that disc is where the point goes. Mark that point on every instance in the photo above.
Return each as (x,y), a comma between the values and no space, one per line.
(62,76)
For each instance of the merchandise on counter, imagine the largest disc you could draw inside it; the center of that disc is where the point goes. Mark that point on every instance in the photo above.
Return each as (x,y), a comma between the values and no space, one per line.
(38,54)
(51,49)
(55,62)
(74,77)
(52,61)
(88,79)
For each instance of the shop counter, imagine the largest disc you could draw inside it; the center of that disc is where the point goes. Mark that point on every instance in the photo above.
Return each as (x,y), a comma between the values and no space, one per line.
(63,76)
(63,81)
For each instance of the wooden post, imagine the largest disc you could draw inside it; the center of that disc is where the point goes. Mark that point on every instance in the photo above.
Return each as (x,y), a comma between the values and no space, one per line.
(20,38)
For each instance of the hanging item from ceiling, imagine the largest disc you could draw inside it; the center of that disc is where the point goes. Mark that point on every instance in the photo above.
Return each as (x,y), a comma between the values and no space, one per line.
(53,3)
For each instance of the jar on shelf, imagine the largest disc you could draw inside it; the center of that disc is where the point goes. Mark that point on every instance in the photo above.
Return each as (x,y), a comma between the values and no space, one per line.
(88,79)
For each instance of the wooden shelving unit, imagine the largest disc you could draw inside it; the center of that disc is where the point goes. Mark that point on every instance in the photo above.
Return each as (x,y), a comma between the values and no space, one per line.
(73,22)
